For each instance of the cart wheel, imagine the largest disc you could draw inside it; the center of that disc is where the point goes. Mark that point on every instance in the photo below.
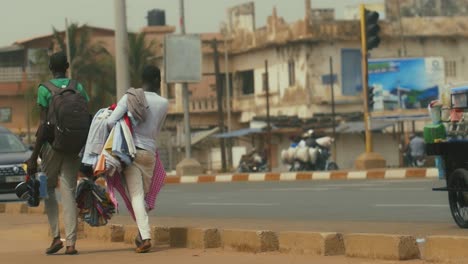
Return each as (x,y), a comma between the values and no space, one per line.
(458,200)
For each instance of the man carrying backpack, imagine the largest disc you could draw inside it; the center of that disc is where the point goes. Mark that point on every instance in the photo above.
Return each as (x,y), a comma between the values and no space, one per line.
(60,136)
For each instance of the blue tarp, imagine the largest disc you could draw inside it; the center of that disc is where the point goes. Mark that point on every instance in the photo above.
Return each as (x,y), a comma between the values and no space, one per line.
(239,133)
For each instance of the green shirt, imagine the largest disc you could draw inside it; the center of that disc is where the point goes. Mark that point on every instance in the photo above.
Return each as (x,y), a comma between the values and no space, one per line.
(44,96)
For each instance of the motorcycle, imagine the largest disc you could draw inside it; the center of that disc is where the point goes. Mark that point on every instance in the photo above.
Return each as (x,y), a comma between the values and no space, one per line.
(252,162)
(314,156)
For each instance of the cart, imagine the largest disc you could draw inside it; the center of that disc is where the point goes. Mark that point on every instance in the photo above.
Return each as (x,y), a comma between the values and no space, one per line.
(455,158)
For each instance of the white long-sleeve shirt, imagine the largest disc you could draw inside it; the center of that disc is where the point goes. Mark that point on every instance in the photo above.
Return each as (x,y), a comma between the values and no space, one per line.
(145,133)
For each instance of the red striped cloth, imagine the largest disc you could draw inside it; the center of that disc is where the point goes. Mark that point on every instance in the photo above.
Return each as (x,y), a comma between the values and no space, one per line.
(157,182)
(115,183)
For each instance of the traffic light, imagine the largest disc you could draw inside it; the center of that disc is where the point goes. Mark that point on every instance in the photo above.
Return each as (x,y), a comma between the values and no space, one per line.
(370,98)
(372,29)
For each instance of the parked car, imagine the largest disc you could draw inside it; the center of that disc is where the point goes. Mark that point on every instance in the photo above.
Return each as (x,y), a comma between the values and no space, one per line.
(13,154)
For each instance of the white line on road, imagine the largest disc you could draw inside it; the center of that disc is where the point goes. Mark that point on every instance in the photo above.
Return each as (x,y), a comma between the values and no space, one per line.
(234,204)
(396,189)
(411,205)
(302,189)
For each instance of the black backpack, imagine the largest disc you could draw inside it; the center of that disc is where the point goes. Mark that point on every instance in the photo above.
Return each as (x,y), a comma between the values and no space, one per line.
(68,118)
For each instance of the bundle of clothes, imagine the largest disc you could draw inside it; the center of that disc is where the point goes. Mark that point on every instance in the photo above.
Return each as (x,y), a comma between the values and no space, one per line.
(94,203)
(107,153)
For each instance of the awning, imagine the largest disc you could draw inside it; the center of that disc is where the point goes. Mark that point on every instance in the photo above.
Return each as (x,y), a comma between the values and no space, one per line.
(239,133)
(199,136)
(358,126)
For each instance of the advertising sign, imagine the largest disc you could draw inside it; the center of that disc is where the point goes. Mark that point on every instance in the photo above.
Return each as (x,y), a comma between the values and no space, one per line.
(406,83)
(183,58)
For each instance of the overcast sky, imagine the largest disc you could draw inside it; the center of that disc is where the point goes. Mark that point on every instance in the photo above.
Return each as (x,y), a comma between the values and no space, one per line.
(21,19)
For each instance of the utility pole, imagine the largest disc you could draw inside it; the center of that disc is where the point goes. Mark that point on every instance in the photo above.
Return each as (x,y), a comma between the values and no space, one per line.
(121,48)
(267,91)
(67,36)
(335,154)
(219,97)
(185,94)
(228,96)
(402,34)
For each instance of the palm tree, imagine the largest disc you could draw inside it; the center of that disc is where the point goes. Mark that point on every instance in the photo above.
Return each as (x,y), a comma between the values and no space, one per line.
(139,53)
(91,64)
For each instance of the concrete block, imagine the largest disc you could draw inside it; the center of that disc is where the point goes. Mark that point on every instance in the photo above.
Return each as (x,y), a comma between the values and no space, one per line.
(160,235)
(131,231)
(37,210)
(451,249)
(117,233)
(189,167)
(249,240)
(16,208)
(102,233)
(323,244)
(380,246)
(203,238)
(178,237)
(80,234)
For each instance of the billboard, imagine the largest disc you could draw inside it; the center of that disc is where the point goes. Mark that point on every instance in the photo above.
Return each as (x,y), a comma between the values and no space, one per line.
(182,58)
(406,83)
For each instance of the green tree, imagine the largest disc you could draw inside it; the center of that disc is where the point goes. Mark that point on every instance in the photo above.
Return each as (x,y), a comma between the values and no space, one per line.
(139,53)
(91,64)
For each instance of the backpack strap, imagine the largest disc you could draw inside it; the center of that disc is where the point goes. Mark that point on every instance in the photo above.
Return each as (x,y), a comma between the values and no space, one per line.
(72,84)
(51,87)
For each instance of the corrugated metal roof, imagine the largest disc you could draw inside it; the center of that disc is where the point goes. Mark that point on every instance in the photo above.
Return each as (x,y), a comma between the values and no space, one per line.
(11,48)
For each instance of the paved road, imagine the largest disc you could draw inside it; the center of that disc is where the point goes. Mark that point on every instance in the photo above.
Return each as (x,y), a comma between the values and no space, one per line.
(370,206)
(367,200)
(381,200)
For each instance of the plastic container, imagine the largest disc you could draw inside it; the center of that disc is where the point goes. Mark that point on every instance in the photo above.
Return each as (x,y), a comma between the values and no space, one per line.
(433,132)
(42,185)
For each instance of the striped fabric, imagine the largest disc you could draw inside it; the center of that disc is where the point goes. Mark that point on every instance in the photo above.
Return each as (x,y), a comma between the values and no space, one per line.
(157,182)
(116,183)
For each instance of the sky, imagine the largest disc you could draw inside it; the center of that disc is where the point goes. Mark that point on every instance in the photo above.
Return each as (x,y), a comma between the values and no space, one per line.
(22,19)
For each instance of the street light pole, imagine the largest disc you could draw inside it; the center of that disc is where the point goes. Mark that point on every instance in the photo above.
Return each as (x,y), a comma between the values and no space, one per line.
(67,36)
(185,94)
(121,48)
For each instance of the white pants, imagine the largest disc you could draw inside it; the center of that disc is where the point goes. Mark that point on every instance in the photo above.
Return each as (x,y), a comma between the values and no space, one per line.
(138,176)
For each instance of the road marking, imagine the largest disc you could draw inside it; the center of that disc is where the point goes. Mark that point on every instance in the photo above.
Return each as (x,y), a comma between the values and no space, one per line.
(320,176)
(303,189)
(396,189)
(411,205)
(234,204)
(357,175)
(188,179)
(395,174)
(432,173)
(290,176)
(257,177)
(223,178)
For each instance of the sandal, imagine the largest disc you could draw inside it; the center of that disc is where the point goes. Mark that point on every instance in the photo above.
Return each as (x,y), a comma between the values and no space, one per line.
(71,250)
(56,245)
(145,247)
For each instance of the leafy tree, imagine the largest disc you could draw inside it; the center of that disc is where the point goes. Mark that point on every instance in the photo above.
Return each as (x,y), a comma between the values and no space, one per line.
(139,53)
(91,64)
